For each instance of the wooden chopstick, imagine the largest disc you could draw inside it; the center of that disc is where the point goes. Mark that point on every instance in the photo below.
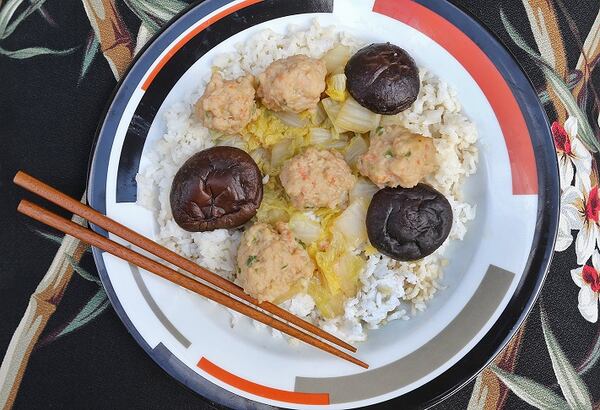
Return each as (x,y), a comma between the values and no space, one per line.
(70,228)
(55,196)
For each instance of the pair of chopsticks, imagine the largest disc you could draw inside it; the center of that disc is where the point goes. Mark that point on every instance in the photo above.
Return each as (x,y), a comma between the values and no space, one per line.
(247,305)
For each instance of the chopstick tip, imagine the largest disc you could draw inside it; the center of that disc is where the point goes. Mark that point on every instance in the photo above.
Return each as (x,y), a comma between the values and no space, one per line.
(18,177)
(24,206)
(362,364)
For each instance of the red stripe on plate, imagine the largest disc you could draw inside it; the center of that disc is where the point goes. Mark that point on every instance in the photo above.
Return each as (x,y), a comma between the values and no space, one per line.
(191,35)
(260,390)
(487,76)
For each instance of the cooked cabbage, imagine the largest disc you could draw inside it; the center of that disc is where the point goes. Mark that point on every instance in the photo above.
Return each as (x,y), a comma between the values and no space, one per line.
(348,269)
(335,59)
(329,305)
(304,228)
(274,206)
(388,120)
(336,87)
(295,288)
(262,159)
(267,130)
(340,143)
(280,152)
(339,267)
(354,117)
(364,189)
(317,115)
(231,141)
(333,254)
(292,119)
(352,223)
(332,108)
(356,148)
(319,136)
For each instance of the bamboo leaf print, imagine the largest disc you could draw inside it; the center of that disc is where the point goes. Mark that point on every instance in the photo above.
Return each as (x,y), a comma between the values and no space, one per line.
(6,14)
(562,90)
(96,305)
(546,32)
(544,26)
(571,385)
(92,47)
(54,238)
(590,54)
(591,358)
(32,8)
(8,25)
(571,82)
(82,272)
(34,52)
(144,34)
(154,14)
(46,16)
(530,392)
(57,238)
(142,13)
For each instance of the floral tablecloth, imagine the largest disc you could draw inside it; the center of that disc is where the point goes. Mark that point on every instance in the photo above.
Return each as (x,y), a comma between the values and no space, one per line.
(65,347)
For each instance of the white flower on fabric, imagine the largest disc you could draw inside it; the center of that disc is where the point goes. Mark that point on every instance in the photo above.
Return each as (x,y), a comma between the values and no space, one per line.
(574,160)
(587,278)
(581,211)
(564,239)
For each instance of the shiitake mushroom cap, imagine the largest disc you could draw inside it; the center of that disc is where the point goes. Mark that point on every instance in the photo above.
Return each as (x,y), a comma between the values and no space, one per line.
(220,187)
(383,78)
(408,223)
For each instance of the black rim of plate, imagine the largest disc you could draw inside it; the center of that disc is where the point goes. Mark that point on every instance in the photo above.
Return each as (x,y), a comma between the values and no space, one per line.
(528,288)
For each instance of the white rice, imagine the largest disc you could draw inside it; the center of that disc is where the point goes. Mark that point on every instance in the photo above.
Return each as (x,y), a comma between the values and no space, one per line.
(389,289)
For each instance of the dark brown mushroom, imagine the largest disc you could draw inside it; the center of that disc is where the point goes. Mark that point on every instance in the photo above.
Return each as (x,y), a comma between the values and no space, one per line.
(408,223)
(383,78)
(220,187)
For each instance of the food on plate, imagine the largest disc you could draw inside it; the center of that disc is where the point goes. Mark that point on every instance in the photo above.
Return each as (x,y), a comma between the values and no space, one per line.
(219,187)
(317,178)
(227,105)
(408,224)
(324,243)
(398,158)
(383,78)
(272,262)
(292,84)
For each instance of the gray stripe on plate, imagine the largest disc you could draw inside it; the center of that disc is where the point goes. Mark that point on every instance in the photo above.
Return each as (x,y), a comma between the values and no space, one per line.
(424,360)
(137,276)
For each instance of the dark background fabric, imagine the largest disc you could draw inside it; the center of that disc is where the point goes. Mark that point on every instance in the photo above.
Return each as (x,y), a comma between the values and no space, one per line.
(48,117)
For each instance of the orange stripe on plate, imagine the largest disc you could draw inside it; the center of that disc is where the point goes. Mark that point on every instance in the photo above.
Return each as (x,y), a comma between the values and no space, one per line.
(260,390)
(487,76)
(191,34)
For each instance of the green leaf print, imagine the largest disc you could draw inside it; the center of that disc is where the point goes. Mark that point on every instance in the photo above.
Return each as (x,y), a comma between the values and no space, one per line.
(571,385)
(531,392)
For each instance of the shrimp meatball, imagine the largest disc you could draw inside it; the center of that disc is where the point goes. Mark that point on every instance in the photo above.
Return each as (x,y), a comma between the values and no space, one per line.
(227,105)
(292,84)
(317,178)
(398,158)
(271,262)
